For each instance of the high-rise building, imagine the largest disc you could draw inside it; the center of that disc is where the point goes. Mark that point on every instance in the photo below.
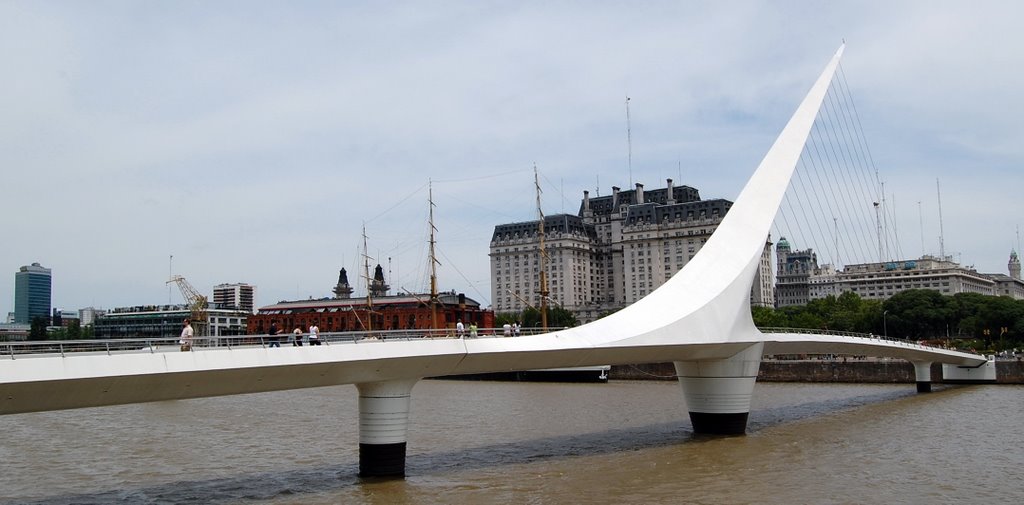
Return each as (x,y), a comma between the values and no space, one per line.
(616,250)
(239,296)
(32,293)
(88,315)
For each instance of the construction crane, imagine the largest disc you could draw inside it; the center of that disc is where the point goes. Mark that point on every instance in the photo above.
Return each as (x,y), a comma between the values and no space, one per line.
(197,305)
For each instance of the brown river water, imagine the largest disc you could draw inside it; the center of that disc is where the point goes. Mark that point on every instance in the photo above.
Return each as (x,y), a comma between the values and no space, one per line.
(623,442)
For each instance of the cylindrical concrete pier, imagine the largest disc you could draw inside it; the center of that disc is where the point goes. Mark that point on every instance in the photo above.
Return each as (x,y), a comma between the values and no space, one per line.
(718,392)
(923,376)
(383,427)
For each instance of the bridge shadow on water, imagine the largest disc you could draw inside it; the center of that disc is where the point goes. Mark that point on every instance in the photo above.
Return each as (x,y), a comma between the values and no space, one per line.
(297,482)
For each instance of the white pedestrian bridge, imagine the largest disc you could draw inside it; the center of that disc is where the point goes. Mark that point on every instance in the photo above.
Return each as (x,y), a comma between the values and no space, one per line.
(56,375)
(699,319)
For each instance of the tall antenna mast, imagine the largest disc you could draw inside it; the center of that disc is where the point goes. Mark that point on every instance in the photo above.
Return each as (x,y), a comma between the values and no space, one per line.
(433,260)
(835,236)
(942,245)
(885,225)
(543,256)
(366,275)
(629,144)
(920,224)
(878,226)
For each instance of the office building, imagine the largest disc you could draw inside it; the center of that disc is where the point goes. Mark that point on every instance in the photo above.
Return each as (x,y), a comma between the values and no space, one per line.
(32,293)
(88,315)
(614,251)
(240,296)
(800,279)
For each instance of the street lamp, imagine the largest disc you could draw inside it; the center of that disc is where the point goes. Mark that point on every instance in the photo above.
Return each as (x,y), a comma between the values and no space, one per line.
(885,327)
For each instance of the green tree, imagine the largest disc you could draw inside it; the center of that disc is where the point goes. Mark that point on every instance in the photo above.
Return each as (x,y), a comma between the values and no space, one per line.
(505,317)
(967,307)
(74,330)
(767,317)
(557,318)
(917,314)
(998,316)
(560,317)
(38,329)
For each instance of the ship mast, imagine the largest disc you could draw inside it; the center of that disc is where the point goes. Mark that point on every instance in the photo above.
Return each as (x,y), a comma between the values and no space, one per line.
(366,275)
(543,257)
(433,260)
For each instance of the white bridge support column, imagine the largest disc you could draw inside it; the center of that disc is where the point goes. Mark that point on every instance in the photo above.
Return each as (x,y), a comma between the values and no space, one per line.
(383,427)
(718,392)
(923,376)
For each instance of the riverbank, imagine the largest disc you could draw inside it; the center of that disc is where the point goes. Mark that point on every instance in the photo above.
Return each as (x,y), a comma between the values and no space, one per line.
(880,371)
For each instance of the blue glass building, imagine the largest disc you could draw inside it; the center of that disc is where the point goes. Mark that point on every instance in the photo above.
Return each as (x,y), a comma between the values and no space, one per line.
(32,287)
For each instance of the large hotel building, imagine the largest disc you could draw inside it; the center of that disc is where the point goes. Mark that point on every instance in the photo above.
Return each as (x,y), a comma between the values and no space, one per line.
(616,250)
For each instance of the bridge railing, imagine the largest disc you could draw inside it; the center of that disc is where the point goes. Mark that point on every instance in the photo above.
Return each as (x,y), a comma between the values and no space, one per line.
(17,349)
(882,338)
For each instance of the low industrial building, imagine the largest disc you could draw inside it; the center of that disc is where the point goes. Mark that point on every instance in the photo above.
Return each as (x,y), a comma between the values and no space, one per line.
(164,321)
(379,311)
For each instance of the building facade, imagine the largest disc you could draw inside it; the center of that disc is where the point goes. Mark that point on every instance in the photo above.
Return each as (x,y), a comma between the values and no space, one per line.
(798,276)
(1010,285)
(800,279)
(32,293)
(386,313)
(616,250)
(164,321)
(377,312)
(239,296)
(88,315)
(879,281)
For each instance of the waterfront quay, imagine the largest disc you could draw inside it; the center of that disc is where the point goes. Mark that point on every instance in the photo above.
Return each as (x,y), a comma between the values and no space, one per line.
(849,370)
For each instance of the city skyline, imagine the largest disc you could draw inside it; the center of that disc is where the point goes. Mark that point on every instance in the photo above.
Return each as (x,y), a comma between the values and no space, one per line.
(253,149)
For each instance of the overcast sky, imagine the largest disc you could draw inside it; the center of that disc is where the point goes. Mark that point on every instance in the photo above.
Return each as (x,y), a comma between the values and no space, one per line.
(252,140)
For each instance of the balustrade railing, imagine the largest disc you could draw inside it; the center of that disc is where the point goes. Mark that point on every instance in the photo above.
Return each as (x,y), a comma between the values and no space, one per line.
(884,338)
(19,349)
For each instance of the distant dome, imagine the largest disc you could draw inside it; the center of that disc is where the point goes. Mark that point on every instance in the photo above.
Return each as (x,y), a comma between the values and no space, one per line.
(783,244)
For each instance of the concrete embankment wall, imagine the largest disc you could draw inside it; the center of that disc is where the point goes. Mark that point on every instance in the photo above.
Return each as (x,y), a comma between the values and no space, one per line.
(892,371)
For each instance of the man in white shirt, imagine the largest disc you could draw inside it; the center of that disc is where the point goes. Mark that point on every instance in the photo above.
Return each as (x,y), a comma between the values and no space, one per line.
(460,330)
(186,336)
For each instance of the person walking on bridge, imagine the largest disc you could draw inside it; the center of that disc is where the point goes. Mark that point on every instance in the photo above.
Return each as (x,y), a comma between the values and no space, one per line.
(273,331)
(186,336)
(314,334)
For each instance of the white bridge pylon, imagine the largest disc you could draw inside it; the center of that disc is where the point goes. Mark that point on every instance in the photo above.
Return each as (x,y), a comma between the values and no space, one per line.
(700,320)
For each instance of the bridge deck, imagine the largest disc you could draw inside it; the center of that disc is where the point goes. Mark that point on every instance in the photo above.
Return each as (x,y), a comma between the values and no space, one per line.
(41,376)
